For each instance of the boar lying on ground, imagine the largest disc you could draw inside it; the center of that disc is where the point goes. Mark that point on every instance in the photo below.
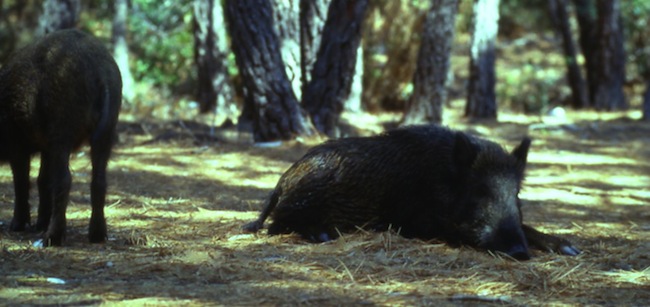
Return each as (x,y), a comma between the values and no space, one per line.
(425,181)
(56,94)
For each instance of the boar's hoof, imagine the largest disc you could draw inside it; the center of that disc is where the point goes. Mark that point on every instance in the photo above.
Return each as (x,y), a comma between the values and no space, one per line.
(252,227)
(41,225)
(49,241)
(17,225)
(324,237)
(519,252)
(321,237)
(97,233)
(569,250)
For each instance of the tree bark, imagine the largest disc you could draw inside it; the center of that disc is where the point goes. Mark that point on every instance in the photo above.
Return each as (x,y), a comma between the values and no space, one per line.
(59,14)
(273,105)
(586,14)
(580,98)
(286,21)
(429,80)
(215,90)
(313,14)
(611,58)
(334,68)
(481,96)
(121,48)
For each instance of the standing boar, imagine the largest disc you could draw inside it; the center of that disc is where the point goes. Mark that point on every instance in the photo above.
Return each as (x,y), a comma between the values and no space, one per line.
(427,181)
(56,94)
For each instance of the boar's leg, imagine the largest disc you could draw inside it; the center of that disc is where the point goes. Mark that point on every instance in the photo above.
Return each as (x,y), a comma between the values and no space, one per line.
(20,170)
(54,183)
(271,202)
(547,242)
(100,151)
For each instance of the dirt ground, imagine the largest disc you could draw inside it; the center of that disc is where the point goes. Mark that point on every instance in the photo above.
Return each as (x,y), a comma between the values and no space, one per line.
(178,197)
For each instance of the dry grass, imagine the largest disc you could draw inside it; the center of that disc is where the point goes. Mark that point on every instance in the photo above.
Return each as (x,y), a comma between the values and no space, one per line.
(177,202)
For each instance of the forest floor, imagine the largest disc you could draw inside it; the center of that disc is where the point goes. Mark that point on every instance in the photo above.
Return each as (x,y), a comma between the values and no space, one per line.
(178,198)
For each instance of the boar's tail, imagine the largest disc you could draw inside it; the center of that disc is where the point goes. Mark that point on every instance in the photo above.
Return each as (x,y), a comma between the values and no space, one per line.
(269,206)
(104,109)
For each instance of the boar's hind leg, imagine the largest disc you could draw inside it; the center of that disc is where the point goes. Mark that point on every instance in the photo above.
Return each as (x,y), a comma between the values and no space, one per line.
(54,183)
(20,170)
(269,206)
(100,151)
(547,242)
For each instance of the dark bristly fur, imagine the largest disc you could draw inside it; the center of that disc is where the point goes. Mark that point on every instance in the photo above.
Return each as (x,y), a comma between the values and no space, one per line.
(56,94)
(427,181)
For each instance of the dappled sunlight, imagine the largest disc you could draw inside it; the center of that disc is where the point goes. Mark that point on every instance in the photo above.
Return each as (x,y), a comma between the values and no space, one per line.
(175,211)
(573,159)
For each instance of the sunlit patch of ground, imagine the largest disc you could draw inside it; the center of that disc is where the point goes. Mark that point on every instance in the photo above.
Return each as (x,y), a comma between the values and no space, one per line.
(177,202)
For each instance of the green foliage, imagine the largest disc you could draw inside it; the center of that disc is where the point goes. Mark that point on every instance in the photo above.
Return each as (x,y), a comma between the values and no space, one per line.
(636,24)
(161,40)
(532,88)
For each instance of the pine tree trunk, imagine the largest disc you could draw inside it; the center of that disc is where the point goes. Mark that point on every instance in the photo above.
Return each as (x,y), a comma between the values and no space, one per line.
(215,91)
(273,105)
(611,58)
(577,84)
(286,21)
(481,96)
(59,14)
(586,14)
(121,48)
(334,68)
(313,14)
(429,80)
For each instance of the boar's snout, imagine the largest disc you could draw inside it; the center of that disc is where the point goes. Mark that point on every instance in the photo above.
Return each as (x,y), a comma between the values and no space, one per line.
(509,238)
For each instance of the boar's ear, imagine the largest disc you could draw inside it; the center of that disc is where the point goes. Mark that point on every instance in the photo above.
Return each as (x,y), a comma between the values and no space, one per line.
(521,152)
(464,151)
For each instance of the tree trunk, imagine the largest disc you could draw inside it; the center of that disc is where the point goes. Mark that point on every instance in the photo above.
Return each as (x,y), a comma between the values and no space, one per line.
(481,96)
(391,39)
(313,14)
(121,48)
(611,58)
(59,14)
(215,91)
(274,107)
(429,80)
(286,20)
(578,87)
(334,68)
(586,14)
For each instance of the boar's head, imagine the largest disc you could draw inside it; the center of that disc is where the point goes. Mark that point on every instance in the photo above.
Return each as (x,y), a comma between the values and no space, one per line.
(488,214)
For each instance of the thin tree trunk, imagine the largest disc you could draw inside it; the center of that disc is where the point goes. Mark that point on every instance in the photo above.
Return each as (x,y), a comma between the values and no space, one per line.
(334,67)
(586,14)
(429,80)
(274,107)
(59,14)
(481,96)
(577,84)
(611,58)
(215,91)
(121,48)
